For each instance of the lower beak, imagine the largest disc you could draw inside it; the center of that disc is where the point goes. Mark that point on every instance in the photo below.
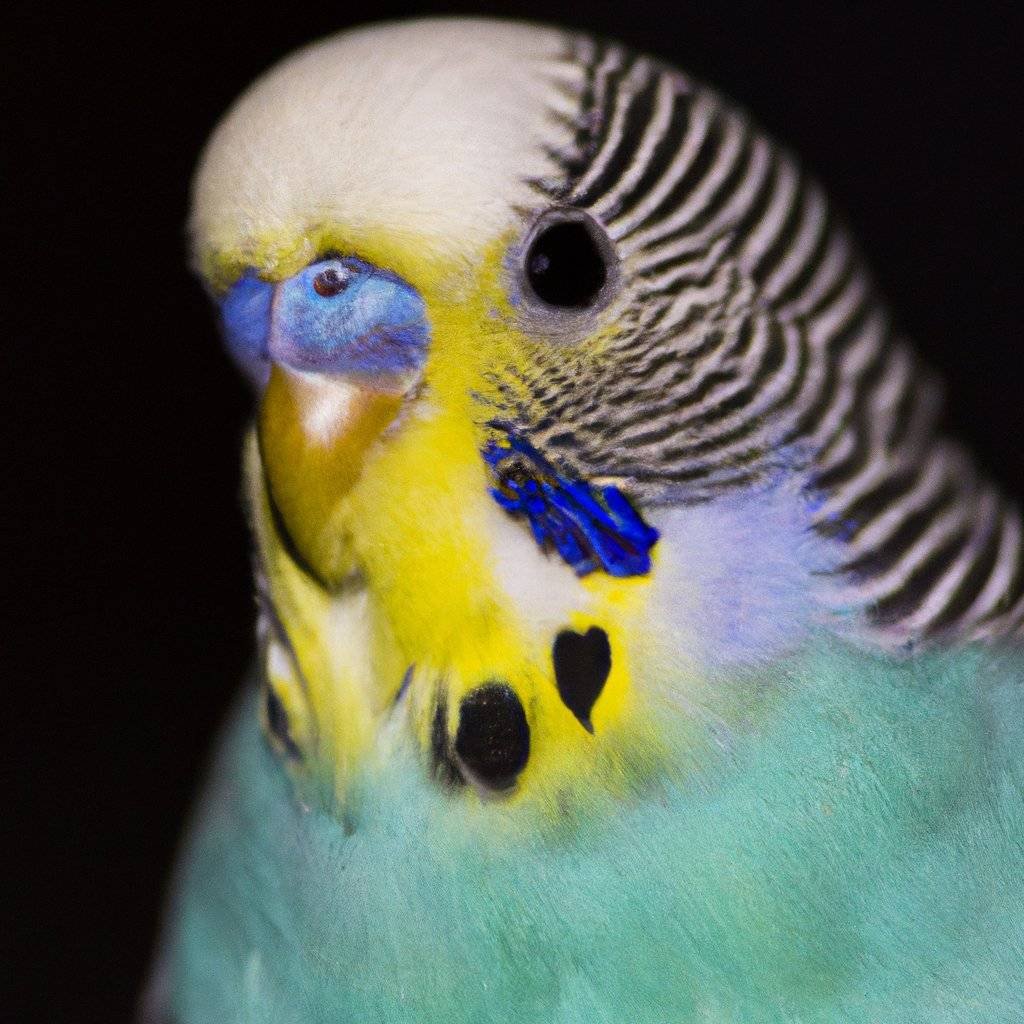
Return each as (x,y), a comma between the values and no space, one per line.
(315,433)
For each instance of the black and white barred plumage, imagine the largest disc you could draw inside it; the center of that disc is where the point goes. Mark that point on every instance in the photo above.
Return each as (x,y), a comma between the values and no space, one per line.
(752,341)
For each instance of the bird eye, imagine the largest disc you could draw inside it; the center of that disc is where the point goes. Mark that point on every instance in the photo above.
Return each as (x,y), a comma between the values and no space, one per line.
(569,260)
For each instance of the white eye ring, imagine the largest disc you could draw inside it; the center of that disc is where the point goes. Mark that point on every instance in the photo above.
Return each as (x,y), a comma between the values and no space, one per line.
(562,272)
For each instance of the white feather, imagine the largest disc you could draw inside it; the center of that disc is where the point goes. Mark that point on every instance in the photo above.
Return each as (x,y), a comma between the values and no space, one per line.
(426,128)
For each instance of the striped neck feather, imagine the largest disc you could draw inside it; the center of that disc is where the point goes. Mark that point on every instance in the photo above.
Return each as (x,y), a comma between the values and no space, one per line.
(750,328)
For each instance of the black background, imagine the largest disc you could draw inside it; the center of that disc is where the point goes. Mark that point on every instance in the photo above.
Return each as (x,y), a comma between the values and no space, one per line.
(125,558)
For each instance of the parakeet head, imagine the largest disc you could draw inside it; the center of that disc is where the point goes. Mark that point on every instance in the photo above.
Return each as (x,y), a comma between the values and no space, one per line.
(571,395)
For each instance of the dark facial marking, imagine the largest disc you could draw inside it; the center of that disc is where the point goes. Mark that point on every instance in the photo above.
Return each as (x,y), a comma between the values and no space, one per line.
(403,687)
(582,663)
(446,771)
(277,723)
(493,739)
(593,528)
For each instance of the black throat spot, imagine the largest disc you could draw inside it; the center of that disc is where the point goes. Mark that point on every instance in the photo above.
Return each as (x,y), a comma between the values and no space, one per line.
(493,737)
(446,771)
(582,664)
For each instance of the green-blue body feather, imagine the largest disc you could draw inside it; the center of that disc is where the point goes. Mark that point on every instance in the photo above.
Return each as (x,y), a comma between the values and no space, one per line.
(854,854)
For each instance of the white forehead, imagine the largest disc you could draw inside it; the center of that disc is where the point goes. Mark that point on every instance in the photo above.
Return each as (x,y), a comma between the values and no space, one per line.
(431,128)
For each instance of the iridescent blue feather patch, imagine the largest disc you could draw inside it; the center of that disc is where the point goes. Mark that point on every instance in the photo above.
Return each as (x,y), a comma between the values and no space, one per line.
(590,527)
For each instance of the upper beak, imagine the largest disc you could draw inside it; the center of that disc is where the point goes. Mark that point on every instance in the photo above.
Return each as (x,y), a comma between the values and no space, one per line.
(314,436)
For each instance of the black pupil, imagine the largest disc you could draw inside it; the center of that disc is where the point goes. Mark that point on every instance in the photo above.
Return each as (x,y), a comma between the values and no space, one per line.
(565,267)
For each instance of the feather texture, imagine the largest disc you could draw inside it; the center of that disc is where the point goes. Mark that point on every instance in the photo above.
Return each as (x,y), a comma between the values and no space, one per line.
(855,856)
(624,663)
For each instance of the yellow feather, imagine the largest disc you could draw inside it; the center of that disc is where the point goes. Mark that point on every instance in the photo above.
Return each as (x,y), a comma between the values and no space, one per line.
(418,525)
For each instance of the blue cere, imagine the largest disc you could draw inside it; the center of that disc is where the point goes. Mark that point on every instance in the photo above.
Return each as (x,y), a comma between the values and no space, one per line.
(245,319)
(338,315)
(590,527)
(345,316)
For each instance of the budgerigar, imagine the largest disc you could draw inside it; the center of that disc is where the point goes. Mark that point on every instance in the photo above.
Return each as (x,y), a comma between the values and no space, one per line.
(632,646)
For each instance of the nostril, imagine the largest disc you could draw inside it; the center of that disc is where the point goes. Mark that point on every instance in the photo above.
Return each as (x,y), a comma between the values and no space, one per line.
(493,738)
(331,281)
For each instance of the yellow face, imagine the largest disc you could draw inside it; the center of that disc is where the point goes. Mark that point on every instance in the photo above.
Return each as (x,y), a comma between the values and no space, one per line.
(418,592)
(400,599)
